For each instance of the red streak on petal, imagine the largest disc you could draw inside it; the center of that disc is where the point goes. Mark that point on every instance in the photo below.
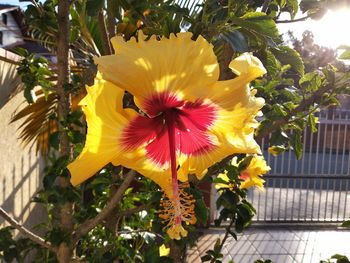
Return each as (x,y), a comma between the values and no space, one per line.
(161,102)
(244,175)
(190,125)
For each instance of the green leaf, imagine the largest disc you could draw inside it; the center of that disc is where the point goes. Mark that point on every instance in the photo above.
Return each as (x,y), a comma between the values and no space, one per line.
(292,7)
(229,200)
(287,55)
(346,224)
(236,40)
(201,211)
(272,65)
(260,23)
(220,181)
(295,141)
(345,54)
(206,258)
(312,122)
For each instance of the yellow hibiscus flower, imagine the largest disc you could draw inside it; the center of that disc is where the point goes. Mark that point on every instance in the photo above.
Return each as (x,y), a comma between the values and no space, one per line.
(187,119)
(251,176)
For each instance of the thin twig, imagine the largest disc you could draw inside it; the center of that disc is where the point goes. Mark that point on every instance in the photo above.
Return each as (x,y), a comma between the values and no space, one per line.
(292,21)
(228,228)
(90,224)
(303,105)
(25,231)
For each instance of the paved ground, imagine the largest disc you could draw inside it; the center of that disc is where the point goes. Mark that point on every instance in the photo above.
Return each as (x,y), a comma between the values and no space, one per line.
(281,245)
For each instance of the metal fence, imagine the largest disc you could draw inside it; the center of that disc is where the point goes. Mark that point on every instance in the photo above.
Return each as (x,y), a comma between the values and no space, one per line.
(315,188)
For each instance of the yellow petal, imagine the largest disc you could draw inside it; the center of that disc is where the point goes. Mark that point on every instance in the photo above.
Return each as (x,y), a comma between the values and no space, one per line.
(161,175)
(164,251)
(178,65)
(237,108)
(254,171)
(105,121)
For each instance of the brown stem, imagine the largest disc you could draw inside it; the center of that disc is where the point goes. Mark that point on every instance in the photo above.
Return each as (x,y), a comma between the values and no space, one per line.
(110,19)
(227,233)
(226,58)
(104,34)
(65,251)
(25,232)
(111,222)
(90,224)
(176,253)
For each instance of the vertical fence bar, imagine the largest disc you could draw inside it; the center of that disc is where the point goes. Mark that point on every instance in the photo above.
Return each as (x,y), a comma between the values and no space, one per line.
(333,196)
(307,198)
(339,197)
(280,198)
(311,151)
(346,198)
(324,145)
(304,150)
(337,147)
(326,208)
(320,200)
(286,199)
(313,200)
(273,196)
(292,214)
(331,147)
(300,197)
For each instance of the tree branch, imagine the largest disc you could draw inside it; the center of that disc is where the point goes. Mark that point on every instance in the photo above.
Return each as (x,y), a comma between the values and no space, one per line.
(104,34)
(65,251)
(292,21)
(90,224)
(26,232)
(110,19)
(304,104)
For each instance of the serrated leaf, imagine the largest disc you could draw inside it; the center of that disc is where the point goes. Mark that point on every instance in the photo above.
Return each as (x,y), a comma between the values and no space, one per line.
(288,56)
(258,22)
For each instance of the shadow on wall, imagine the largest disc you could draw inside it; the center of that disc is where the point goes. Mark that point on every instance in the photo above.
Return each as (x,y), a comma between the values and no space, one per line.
(18,190)
(10,81)
(21,167)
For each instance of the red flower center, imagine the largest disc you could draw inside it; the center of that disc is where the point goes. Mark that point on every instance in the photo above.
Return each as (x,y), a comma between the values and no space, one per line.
(173,125)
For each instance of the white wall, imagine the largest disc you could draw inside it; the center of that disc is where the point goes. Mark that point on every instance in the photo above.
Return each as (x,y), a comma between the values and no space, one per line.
(20,167)
(11,32)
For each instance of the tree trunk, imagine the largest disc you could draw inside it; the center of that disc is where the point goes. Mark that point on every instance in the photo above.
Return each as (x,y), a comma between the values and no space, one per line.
(65,251)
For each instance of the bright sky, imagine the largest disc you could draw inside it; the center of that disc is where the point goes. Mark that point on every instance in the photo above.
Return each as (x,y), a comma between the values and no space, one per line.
(331,31)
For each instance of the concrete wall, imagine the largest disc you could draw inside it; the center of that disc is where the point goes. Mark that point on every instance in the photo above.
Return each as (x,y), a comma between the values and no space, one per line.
(20,172)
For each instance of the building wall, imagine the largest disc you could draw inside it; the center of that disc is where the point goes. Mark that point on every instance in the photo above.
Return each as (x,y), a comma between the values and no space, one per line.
(11,32)
(20,173)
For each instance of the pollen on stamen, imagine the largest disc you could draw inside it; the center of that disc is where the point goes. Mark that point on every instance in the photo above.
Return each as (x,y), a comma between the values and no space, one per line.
(169,213)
